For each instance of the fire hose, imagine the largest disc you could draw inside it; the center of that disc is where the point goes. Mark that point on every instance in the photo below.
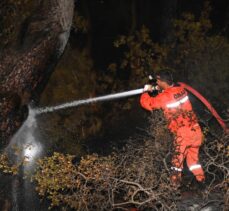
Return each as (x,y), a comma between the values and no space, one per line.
(130,93)
(206,103)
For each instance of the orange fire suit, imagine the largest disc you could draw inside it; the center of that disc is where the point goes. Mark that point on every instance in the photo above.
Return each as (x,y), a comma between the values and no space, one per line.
(182,122)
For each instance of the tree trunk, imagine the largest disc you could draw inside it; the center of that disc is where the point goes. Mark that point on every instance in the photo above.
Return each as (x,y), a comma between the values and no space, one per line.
(24,71)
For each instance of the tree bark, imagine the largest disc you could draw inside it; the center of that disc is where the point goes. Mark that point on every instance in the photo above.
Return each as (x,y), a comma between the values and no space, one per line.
(25,70)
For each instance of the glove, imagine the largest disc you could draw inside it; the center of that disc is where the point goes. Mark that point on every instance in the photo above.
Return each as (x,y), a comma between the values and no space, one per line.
(155,88)
(148,88)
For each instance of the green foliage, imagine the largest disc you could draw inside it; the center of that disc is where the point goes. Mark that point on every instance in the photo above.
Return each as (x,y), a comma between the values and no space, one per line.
(143,55)
(6,167)
(47,180)
(76,186)
(199,57)
(195,55)
(191,35)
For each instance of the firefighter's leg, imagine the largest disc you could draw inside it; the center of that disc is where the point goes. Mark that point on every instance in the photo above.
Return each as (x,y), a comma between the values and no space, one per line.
(177,162)
(193,163)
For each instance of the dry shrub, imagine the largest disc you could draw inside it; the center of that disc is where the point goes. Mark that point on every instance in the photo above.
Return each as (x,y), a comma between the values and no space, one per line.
(215,159)
(136,176)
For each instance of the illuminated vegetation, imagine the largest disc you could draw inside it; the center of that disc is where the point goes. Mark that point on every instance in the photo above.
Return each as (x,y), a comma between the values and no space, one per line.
(138,175)
(194,54)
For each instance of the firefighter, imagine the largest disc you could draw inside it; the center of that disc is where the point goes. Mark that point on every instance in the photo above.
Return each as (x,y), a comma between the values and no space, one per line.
(182,122)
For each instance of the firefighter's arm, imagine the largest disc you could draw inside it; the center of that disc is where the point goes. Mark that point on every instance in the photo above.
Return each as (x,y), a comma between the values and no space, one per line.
(150,103)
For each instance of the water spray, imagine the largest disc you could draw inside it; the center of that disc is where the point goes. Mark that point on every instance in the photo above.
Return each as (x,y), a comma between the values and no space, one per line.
(75,103)
(87,101)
